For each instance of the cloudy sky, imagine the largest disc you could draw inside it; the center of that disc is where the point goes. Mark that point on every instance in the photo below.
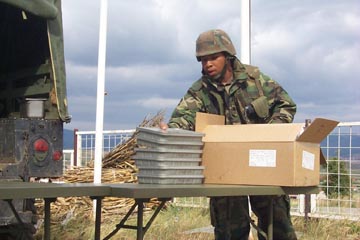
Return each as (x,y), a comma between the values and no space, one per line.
(311,47)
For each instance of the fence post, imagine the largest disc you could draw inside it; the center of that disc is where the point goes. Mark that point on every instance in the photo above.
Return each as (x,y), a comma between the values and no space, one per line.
(72,160)
(75,147)
(78,155)
(307,206)
(307,196)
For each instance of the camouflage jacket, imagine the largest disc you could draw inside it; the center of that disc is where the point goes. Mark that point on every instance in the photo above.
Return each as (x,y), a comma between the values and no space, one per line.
(252,97)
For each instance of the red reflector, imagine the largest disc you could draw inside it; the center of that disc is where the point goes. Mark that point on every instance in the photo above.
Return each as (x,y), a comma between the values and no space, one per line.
(57,155)
(41,145)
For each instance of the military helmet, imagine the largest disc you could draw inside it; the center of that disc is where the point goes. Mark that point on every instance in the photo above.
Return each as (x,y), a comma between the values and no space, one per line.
(213,41)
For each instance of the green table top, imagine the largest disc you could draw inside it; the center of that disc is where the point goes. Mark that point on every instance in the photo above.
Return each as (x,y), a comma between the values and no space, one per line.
(18,190)
(14,190)
(202,190)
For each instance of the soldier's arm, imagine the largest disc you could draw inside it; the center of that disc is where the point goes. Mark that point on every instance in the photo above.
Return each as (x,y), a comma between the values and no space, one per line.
(282,107)
(184,114)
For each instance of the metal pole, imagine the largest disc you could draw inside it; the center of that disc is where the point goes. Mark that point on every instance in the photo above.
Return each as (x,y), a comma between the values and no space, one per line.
(74,163)
(245,38)
(307,196)
(47,213)
(98,218)
(270,229)
(245,41)
(140,219)
(100,95)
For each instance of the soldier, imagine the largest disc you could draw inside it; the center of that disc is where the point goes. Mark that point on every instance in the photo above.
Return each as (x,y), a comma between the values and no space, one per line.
(244,95)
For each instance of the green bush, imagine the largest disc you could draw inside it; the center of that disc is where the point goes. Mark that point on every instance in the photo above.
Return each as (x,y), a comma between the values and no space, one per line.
(338,180)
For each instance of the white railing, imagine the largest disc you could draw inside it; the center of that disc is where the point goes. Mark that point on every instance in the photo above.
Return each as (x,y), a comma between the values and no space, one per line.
(86,143)
(339,198)
(339,178)
(68,155)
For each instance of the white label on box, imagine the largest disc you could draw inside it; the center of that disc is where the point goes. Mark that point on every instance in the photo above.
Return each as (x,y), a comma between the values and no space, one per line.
(262,158)
(308,160)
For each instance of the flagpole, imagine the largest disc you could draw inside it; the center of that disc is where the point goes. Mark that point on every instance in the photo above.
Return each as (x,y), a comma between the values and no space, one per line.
(100,96)
(100,93)
(245,42)
(245,45)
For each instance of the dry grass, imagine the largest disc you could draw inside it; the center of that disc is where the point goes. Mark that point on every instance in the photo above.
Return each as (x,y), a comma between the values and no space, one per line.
(171,223)
(179,223)
(327,229)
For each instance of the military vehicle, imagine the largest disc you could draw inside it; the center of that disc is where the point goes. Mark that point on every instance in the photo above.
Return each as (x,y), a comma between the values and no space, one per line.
(33,103)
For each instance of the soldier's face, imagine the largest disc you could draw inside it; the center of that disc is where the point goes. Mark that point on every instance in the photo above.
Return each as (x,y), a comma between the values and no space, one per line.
(213,64)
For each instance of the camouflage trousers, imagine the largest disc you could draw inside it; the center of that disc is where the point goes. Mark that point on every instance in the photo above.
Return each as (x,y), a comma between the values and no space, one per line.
(230,217)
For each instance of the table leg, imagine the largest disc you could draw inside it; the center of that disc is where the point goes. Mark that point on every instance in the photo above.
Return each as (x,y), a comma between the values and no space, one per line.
(122,223)
(141,230)
(47,214)
(140,219)
(270,219)
(97,218)
(12,207)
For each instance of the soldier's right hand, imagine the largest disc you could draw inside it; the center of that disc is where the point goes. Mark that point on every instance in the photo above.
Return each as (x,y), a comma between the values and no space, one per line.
(163,126)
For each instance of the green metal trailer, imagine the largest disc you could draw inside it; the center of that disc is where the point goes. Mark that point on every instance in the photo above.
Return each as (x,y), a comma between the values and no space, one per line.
(33,103)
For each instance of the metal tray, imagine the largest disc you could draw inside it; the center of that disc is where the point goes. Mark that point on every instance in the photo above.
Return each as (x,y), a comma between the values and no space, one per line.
(195,179)
(155,153)
(158,135)
(171,170)
(163,162)
(169,144)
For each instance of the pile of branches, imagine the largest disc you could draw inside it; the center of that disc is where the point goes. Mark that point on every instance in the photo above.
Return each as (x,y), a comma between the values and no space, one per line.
(117,167)
(122,153)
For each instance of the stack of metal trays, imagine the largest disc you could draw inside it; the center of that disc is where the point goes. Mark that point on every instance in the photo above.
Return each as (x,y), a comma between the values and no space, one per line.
(169,157)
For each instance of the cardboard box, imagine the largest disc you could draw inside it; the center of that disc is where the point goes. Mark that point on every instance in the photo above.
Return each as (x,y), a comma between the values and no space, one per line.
(262,154)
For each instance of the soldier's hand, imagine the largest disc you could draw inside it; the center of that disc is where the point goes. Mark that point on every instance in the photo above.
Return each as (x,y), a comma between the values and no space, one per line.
(163,126)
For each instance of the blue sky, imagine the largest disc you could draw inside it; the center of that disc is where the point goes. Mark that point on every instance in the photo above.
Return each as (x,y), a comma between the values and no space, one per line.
(311,47)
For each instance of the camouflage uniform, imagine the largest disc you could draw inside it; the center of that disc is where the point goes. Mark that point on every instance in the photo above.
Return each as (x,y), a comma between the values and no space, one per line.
(252,97)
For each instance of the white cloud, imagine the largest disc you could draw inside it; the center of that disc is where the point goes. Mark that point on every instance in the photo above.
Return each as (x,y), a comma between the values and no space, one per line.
(85,105)
(140,74)
(158,103)
(339,112)
(352,22)
(310,47)
(80,72)
(275,40)
(343,59)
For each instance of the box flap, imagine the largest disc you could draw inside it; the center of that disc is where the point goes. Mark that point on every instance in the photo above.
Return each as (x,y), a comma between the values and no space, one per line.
(252,132)
(322,158)
(317,130)
(204,119)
